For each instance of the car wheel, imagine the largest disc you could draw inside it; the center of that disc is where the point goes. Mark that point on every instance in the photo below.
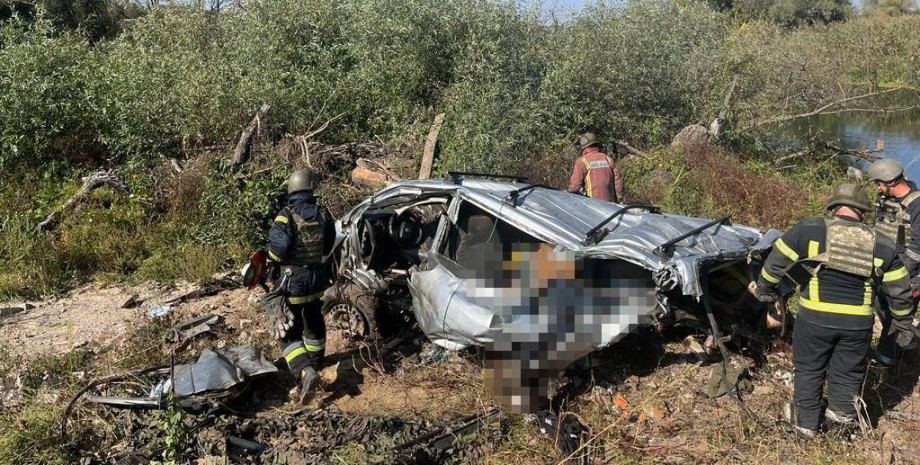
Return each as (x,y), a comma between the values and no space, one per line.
(352,310)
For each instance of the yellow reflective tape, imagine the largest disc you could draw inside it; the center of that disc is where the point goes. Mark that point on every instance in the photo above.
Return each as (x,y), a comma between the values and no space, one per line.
(878,262)
(274,257)
(769,277)
(904,312)
(588,188)
(894,275)
(786,250)
(314,348)
(843,309)
(867,295)
(295,353)
(281,219)
(813,248)
(297,300)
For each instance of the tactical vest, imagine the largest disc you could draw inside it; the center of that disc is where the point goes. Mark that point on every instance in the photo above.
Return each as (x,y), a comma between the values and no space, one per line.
(893,220)
(307,244)
(849,247)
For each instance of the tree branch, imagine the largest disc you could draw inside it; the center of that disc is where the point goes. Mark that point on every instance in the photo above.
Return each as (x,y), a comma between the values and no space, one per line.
(820,110)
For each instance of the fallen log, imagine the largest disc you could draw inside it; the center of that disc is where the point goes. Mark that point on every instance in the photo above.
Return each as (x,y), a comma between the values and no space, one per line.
(90,183)
(244,146)
(629,148)
(431,144)
(372,174)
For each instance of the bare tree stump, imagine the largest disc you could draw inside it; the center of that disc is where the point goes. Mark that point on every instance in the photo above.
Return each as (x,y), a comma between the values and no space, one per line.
(691,135)
(244,146)
(431,143)
(91,182)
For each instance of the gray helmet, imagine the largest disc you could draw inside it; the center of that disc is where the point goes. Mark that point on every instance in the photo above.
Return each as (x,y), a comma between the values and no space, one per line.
(849,195)
(885,170)
(586,140)
(303,180)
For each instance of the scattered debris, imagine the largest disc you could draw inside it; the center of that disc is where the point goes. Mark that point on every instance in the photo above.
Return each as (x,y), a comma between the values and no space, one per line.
(132,301)
(14,309)
(159,311)
(737,378)
(188,330)
(209,289)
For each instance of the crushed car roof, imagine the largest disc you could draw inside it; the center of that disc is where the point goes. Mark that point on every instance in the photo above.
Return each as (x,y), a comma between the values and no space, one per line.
(566,219)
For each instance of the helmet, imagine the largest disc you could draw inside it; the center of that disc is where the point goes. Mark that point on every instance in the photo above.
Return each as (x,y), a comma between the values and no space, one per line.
(885,170)
(587,140)
(849,195)
(303,180)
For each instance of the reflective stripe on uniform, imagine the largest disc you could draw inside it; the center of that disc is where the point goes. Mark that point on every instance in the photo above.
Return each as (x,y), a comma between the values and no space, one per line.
(769,277)
(786,250)
(844,309)
(904,312)
(297,300)
(588,188)
(281,219)
(293,351)
(314,345)
(878,262)
(274,257)
(894,275)
(813,248)
(912,255)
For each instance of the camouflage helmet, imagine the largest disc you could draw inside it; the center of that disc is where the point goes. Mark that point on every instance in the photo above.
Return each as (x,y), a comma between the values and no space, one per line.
(302,180)
(885,170)
(849,195)
(586,140)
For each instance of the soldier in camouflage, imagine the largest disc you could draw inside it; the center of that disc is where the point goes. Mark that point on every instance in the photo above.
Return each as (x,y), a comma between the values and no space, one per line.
(897,209)
(845,263)
(301,236)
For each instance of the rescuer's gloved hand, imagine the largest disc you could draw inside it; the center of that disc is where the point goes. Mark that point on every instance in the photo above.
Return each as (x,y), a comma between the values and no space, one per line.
(765,292)
(915,286)
(903,331)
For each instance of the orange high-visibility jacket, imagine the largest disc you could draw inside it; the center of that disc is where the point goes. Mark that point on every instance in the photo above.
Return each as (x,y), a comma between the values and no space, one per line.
(594,171)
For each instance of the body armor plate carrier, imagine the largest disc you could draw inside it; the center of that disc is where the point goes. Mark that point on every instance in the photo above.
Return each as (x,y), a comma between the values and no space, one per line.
(893,220)
(308,244)
(849,247)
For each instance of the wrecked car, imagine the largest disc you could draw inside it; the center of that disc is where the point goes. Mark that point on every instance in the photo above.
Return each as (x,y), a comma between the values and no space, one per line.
(544,275)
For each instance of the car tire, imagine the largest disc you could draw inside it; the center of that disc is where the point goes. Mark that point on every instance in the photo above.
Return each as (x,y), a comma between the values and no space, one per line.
(351,309)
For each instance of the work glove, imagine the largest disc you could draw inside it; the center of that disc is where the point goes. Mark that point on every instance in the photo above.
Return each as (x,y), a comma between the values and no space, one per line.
(280,320)
(278,310)
(903,331)
(765,292)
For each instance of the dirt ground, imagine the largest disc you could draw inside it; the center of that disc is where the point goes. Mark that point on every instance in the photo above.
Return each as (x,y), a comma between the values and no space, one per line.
(642,400)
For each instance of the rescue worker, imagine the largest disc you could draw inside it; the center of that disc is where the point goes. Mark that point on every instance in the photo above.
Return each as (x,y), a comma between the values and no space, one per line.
(898,207)
(300,237)
(596,172)
(834,322)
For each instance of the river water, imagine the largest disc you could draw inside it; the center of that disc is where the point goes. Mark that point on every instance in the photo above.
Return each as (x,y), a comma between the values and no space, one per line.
(900,132)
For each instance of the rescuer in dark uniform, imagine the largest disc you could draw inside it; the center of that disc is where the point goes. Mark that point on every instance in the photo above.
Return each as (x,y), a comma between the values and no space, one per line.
(835,316)
(898,219)
(301,236)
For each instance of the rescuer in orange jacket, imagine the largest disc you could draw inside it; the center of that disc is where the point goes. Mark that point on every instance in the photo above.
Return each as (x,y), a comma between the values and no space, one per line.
(596,172)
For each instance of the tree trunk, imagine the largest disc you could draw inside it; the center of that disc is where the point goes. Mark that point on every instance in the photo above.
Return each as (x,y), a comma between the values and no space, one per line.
(244,146)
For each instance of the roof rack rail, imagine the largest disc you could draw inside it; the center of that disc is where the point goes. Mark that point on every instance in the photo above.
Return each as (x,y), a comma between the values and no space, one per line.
(454,176)
(512,197)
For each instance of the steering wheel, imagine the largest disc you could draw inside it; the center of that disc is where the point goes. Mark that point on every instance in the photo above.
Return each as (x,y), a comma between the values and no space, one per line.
(406,229)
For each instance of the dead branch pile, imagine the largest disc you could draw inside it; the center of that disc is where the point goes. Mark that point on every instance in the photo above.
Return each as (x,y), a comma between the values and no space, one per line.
(90,183)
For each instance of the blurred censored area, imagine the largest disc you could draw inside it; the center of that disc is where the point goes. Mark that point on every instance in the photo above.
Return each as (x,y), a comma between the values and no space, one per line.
(553,307)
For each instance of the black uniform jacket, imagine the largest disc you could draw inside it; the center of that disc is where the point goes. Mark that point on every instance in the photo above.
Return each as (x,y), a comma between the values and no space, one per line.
(834,298)
(281,239)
